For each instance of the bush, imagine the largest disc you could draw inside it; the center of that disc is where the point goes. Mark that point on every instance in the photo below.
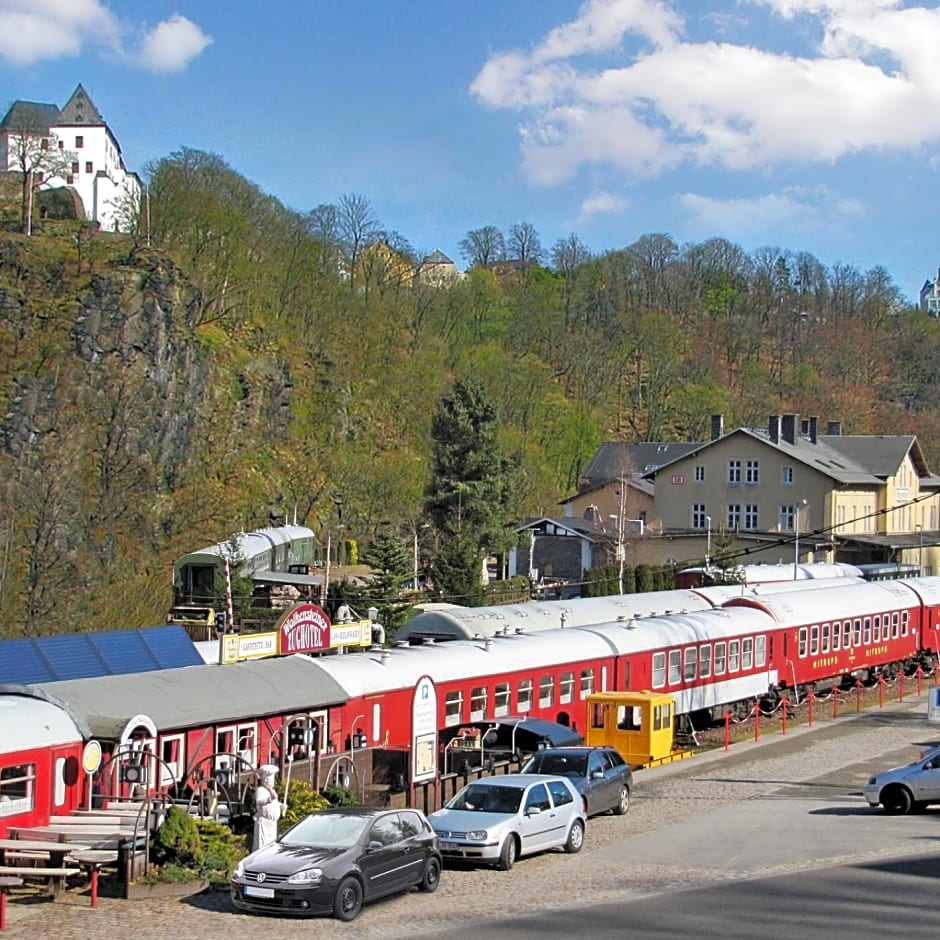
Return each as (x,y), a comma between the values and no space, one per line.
(178,841)
(222,849)
(339,796)
(302,801)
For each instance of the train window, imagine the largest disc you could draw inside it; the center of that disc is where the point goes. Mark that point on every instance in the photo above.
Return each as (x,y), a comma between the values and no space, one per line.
(546,691)
(836,636)
(747,653)
(904,615)
(566,688)
(587,682)
(814,639)
(247,744)
(478,703)
(895,626)
(734,655)
(502,699)
(760,651)
(598,715)
(705,661)
(17,789)
(453,708)
(659,670)
(688,669)
(867,633)
(662,716)
(876,629)
(804,633)
(826,633)
(524,698)
(720,658)
(847,634)
(857,633)
(674,660)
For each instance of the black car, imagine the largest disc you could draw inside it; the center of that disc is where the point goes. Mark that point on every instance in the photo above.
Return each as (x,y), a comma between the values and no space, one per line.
(601,775)
(333,861)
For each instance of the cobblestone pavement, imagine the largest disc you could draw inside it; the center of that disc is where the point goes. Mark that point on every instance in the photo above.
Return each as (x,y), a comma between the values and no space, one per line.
(700,821)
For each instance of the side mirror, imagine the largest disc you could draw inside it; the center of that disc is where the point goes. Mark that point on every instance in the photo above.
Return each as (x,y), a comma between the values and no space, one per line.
(533,810)
(373,847)
(597,775)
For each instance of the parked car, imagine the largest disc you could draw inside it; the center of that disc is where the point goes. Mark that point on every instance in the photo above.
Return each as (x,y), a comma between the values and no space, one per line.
(496,820)
(907,788)
(333,861)
(601,775)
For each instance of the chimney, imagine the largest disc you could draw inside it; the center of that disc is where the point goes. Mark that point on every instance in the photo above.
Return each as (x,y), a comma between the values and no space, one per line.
(834,428)
(718,426)
(814,429)
(773,429)
(788,426)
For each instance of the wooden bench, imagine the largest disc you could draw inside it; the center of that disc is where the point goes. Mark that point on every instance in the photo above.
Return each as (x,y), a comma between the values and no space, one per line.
(54,877)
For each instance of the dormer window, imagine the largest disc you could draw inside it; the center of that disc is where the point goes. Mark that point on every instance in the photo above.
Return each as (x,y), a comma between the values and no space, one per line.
(79,142)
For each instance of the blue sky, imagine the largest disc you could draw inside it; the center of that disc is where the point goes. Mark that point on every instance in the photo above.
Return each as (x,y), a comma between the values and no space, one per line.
(810,125)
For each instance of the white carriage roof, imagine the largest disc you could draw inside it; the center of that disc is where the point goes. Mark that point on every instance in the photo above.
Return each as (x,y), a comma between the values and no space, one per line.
(200,695)
(465,623)
(719,593)
(31,721)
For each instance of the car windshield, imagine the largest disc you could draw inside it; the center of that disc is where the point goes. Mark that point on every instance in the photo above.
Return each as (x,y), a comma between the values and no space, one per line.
(483,798)
(330,830)
(561,765)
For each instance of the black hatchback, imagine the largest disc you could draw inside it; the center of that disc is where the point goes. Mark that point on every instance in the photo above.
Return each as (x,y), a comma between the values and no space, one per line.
(334,861)
(601,775)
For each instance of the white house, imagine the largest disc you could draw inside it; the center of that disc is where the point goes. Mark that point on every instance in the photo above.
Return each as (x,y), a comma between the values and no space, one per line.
(110,194)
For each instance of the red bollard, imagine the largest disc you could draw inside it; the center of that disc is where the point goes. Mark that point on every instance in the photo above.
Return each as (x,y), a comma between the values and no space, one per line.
(784,722)
(94,885)
(727,730)
(900,686)
(756,721)
(858,695)
(881,691)
(835,702)
(812,701)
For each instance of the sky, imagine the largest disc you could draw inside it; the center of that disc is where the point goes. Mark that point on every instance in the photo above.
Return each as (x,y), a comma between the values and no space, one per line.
(808,125)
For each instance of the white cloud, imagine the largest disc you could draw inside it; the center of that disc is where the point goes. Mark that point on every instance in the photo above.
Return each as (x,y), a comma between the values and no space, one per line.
(620,86)
(796,210)
(36,30)
(601,203)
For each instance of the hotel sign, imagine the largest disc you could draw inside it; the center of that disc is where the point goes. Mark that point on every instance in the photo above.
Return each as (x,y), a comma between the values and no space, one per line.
(303,629)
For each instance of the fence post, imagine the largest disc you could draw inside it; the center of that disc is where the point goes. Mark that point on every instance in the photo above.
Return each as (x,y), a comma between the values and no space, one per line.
(920,677)
(881,691)
(727,729)
(900,686)
(757,721)
(858,695)
(835,701)
(784,721)
(811,698)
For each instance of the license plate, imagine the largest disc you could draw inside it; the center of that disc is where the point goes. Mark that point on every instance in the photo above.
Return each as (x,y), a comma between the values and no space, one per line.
(449,845)
(259,892)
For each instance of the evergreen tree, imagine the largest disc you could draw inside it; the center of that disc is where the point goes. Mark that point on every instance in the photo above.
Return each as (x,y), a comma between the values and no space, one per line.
(458,567)
(390,559)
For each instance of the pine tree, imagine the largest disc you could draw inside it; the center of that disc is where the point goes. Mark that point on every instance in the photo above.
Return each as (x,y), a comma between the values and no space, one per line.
(390,559)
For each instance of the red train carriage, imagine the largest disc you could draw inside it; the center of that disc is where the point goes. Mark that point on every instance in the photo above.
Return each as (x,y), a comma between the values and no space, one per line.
(41,745)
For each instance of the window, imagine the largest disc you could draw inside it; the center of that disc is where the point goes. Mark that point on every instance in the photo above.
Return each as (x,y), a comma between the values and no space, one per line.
(747,653)
(386,830)
(566,688)
(734,471)
(752,472)
(705,661)
(598,762)
(453,708)
(412,824)
(698,515)
(876,629)
(894,626)
(760,651)
(825,637)
(524,697)
(734,655)
(79,142)
(857,631)
(836,636)
(786,476)
(75,168)
(89,166)
(587,683)
(904,616)
(561,795)
(17,789)
(786,518)
(538,797)
(674,660)
(598,715)
(478,703)
(719,659)
(44,143)
(546,691)
(699,473)
(803,637)
(750,518)
(502,700)
(867,634)
(70,179)
(847,634)
(688,666)
(734,517)
(662,716)
(814,640)
(659,670)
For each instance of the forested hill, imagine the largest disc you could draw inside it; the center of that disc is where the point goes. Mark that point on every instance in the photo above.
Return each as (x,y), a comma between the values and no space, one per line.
(242,362)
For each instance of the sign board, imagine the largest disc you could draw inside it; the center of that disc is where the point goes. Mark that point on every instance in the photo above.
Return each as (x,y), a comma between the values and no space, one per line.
(358,633)
(303,629)
(424,731)
(91,756)
(236,647)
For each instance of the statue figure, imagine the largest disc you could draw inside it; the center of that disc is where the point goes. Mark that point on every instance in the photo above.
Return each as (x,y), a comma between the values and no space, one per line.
(267,807)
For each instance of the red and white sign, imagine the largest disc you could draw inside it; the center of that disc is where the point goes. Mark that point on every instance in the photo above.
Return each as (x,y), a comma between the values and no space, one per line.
(678,479)
(303,629)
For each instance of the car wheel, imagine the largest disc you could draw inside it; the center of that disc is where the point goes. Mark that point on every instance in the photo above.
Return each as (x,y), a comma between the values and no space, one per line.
(348,900)
(897,801)
(432,876)
(623,804)
(575,837)
(508,855)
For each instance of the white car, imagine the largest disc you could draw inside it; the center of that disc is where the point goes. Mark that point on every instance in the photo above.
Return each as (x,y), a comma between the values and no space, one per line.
(907,788)
(496,820)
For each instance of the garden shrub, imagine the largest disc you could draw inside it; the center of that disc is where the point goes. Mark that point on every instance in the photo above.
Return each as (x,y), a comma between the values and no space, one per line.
(177,841)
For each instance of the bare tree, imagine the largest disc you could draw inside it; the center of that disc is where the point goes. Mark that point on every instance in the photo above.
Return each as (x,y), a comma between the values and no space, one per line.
(482,246)
(357,227)
(525,245)
(36,152)
(568,256)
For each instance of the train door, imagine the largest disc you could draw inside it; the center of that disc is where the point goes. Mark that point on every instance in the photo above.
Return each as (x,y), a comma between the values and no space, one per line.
(66,780)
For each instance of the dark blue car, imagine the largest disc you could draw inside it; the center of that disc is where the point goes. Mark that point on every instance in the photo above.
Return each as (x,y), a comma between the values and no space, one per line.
(601,775)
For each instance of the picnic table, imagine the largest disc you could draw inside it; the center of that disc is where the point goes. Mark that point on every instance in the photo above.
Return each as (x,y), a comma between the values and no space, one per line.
(93,860)
(57,852)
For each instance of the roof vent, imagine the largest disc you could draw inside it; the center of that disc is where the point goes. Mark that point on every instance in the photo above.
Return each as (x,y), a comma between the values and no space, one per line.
(386,656)
(519,631)
(428,641)
(488,645)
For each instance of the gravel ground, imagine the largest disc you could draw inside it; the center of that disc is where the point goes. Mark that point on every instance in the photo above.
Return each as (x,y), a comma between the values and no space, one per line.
(664,797)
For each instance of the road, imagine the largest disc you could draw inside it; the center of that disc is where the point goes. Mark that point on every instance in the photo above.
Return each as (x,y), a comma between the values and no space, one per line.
(774,831)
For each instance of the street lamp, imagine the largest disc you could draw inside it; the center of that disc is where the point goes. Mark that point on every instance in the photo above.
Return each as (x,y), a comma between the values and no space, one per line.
(801,504)
(708,541)
(920,548)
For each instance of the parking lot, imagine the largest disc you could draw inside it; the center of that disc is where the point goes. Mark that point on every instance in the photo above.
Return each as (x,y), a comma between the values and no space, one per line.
(784,804)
